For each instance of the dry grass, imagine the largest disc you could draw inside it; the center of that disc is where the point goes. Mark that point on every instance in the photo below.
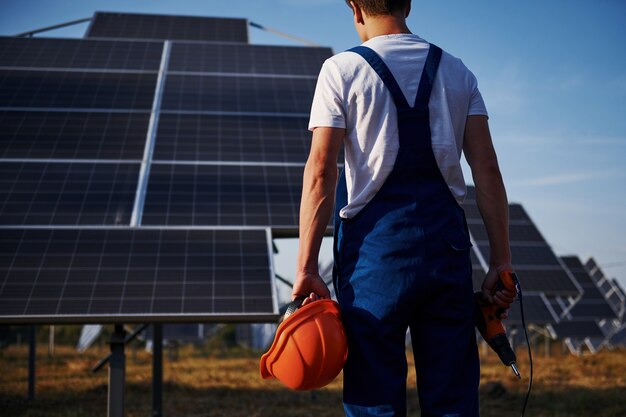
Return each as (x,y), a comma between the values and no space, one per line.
(209,385)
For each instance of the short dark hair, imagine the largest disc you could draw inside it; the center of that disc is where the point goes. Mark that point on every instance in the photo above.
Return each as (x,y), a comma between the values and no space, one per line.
(380,7)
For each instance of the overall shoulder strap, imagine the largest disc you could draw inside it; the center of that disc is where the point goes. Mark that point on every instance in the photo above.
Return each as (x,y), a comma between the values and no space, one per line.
(428,77)
(384,73)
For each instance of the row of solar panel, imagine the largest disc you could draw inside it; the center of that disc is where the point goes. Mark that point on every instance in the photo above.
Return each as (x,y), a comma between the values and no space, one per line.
(120,55)
(122,136)
(103,194)
(541,273)
(123,91)
(73,274)
(537,266)
(135,25)
(75,117)
(579,321)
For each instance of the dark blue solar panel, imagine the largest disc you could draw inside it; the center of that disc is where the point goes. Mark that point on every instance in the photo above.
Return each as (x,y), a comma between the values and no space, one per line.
(198,137)
(247,59)
(238,94)
(126,274)
(88,90)
(151,26)
(79,54)
(72,135)
(67,193)
(223,195)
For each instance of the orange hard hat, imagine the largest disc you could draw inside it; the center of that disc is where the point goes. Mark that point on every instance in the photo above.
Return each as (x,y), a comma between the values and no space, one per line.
(310,346)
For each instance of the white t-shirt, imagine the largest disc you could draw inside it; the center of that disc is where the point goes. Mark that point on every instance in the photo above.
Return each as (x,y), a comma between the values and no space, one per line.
(350,95)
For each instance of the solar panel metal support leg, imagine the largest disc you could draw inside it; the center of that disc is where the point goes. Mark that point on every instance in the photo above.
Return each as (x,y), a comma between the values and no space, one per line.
(32,356)
(117,377)
(157,370)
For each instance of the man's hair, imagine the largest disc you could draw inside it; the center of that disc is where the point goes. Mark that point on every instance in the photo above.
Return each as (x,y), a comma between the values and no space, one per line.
(380,7)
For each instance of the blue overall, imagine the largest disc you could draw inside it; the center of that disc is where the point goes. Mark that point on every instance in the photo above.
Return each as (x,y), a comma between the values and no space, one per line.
(403,262)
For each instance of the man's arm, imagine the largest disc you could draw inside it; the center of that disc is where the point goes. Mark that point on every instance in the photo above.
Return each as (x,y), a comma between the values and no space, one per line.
(316,206)
(492,203)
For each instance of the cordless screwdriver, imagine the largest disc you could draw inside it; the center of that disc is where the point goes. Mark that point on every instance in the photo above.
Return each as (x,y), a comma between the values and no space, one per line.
(489,324)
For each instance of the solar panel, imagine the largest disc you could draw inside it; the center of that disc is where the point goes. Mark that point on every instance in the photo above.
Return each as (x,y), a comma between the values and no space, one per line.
(612,293)
(247,59)
(594,271)
(129,274)
(529,255)
(550,281)
(573,264)
(68,89)
(556,306)
(78,53)
(239,138)
(593,304)
(230,141)
(150,26)
(33,193)
(225,195)
(518,214)
(78,118)
(536,311)
(238,94)
(589,309)
(72,135)
(517,233)
(578,329)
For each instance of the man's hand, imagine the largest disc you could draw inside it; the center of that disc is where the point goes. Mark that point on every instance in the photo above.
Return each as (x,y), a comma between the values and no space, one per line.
(502,298)
(311,286)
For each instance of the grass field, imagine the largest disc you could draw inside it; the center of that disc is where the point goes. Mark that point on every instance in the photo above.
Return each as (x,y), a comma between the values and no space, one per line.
(228,384)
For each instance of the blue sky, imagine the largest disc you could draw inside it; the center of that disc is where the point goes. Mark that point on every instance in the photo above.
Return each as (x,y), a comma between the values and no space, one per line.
(553,75)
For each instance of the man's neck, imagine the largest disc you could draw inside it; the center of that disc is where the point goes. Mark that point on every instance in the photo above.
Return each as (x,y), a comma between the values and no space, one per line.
(385,25)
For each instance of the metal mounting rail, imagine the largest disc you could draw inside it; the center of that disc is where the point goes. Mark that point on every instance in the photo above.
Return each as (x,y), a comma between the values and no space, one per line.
(47,28)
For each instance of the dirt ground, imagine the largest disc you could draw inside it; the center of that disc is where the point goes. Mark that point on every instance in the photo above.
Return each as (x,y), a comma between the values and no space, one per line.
(227,383)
